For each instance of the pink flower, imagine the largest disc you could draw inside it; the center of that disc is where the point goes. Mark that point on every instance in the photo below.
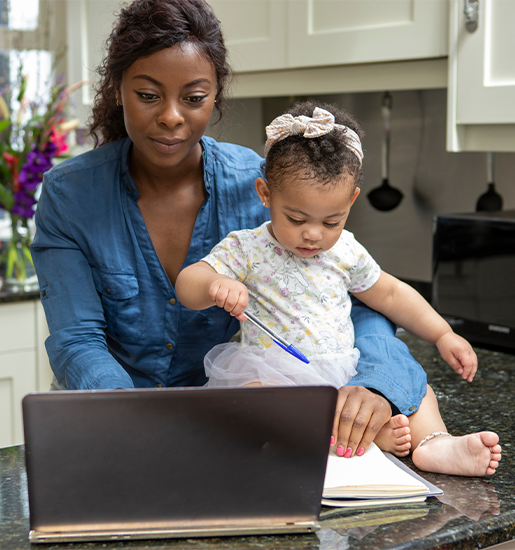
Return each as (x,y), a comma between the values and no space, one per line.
(284,292)
(278,251)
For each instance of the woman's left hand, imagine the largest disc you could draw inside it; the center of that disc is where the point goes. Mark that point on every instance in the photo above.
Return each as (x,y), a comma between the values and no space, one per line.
(359,416)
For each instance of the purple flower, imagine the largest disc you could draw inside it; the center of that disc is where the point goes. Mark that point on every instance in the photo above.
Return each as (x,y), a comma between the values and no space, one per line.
(296,306)
(234,243)
(284,292)
(278,251)
(267,279)
(50,150)
(31,173)
(23,204)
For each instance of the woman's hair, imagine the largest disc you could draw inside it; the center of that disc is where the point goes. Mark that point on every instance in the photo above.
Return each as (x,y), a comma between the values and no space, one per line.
(143,28)
(324,159)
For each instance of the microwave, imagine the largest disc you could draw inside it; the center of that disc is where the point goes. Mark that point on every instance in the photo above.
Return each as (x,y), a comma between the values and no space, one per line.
(474,276)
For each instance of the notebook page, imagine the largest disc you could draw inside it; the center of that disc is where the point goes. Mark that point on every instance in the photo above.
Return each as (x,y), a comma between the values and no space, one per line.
(372,470)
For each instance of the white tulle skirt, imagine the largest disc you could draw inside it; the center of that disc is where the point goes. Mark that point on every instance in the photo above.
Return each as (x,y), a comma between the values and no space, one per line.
(230,365)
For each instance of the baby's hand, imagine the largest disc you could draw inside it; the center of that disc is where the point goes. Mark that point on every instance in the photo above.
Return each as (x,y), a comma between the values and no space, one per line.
(459,354)
(231,296)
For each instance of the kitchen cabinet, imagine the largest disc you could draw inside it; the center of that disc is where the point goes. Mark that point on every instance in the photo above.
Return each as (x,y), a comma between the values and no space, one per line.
(284,34)
(296,47)
(481,109)
(24,365)
(254,32)
(328,32)
(309,47)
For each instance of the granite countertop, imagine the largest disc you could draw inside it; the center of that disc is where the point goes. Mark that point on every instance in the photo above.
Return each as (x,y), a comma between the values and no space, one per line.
(473,513)
(8,296)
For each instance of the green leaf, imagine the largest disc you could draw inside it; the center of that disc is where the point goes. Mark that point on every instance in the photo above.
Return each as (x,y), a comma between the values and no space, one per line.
(28,255)
(6,198)
(11,258)
(4,124)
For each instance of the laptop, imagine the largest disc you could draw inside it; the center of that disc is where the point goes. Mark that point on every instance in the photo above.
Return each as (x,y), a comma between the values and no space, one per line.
(176,462)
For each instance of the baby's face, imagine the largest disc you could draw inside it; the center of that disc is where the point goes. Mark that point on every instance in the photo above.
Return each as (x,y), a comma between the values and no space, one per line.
(308,219)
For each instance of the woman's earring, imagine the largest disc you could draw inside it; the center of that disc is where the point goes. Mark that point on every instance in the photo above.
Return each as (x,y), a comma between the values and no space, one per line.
(264,204)
(118,104)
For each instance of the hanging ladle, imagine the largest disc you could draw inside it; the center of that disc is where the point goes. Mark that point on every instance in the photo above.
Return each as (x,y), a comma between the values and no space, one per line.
(385,197)
(490,201)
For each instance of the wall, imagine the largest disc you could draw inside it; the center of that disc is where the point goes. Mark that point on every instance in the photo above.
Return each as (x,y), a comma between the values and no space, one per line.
(432,180)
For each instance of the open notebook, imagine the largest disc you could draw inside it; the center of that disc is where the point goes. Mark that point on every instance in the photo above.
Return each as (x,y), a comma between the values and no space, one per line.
(373,479)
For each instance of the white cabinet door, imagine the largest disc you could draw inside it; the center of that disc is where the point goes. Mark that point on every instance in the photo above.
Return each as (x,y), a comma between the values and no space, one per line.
(481,97)
(17,379)
(335,32)
(17,367)
(43,369)
(254,32)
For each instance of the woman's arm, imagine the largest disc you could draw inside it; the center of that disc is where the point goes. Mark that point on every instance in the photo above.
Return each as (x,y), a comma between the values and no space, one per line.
(76,346)
(199,286)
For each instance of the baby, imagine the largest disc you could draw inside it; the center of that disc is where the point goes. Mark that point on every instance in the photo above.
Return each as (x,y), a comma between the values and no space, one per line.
(298,270)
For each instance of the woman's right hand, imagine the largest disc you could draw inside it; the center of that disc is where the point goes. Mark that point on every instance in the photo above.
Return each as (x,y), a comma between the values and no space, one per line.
(359,416)
(230,295)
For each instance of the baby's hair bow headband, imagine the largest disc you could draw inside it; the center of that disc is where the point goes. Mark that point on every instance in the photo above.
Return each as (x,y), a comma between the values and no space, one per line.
(320,124)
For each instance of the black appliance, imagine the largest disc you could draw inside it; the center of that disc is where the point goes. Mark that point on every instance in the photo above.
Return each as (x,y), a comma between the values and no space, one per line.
(474,276)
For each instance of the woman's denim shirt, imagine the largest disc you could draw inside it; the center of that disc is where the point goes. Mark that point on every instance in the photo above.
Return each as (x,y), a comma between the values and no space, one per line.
(114,318)
(113,315)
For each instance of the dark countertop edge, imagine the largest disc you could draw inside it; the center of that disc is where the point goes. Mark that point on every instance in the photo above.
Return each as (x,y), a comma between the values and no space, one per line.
(7,297)
(482,534)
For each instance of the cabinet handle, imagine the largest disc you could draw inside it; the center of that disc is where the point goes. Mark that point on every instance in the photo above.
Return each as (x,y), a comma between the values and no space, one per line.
(471,14)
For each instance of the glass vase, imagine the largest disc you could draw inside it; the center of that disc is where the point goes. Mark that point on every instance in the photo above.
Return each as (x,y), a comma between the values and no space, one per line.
(17,268)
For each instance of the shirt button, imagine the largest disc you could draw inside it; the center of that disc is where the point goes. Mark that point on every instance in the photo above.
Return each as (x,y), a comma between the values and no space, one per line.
(172,301)
(108,291)
(43,293)
(159,385)
(169,346)
(129,189)
(412,408)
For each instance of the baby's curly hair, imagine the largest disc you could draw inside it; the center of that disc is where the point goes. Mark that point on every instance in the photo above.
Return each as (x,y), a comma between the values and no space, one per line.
(325,159)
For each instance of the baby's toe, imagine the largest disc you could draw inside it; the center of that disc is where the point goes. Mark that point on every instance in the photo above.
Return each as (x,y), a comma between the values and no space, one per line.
(399,421)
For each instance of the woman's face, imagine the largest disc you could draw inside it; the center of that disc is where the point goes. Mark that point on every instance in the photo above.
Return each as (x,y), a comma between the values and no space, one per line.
(167,101)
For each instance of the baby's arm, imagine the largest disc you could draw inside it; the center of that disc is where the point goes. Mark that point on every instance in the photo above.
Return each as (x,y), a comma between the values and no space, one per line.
(404,306)
(199,286)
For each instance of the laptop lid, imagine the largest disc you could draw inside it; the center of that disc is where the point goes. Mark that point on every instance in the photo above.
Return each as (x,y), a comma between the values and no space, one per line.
(175,462)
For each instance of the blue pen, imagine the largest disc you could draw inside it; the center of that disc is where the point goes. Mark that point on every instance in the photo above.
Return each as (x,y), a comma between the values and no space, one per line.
(276,338)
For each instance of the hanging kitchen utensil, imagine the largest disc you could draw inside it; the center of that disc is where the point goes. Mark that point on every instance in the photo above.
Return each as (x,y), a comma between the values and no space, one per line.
(490,201)
(385,197)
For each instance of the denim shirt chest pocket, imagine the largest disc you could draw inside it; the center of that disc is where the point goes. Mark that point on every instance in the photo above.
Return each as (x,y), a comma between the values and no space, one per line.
(120,300)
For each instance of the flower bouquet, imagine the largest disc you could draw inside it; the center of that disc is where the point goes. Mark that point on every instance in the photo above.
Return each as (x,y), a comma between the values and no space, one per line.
(29,139)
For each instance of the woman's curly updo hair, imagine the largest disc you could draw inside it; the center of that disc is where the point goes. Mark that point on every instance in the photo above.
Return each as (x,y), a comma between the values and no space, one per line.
(143,28)
(324,159)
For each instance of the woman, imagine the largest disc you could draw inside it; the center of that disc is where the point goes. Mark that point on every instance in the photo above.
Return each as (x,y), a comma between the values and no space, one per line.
(116,225)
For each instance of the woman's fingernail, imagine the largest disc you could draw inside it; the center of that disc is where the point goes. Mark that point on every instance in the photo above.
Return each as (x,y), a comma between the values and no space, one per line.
(339,450)
(348,452)
(332,441)
(361,451)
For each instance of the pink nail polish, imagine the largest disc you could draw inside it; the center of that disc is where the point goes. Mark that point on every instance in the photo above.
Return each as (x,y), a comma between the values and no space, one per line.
(361,451)
(339,450)
(348,452)
(332,441)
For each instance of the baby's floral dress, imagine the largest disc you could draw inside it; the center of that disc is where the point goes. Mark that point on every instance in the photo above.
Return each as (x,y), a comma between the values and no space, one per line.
(304,300)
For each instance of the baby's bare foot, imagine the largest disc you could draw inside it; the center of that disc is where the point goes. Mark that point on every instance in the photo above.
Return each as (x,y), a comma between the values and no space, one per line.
(469,455)
(394,436)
